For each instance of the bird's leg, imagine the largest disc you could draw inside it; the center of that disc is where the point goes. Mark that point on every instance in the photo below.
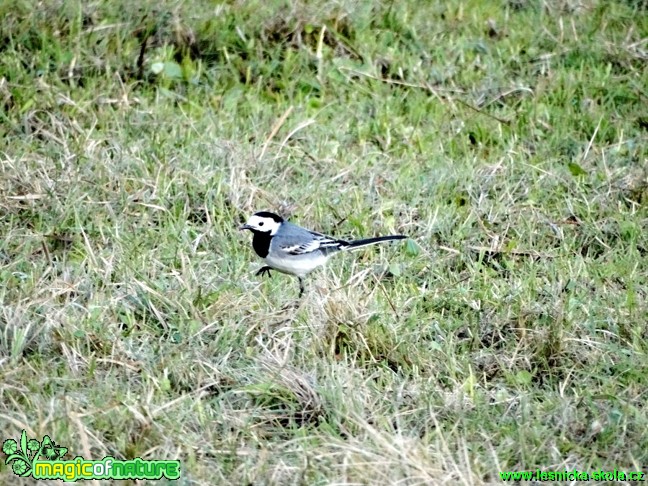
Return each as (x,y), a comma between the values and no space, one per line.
(301,287)
(264,270)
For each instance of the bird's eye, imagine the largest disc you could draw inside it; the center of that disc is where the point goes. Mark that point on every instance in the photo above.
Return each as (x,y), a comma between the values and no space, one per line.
(261,223)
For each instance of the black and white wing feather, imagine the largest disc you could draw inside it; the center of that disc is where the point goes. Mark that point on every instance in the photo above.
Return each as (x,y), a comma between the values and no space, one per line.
(318,242)
(299,241)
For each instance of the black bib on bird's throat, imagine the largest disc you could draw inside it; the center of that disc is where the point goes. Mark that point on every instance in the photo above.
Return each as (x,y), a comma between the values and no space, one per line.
(261,243)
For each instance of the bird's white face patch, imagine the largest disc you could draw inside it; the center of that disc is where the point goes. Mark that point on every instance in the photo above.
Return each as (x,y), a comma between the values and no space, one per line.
(264,224)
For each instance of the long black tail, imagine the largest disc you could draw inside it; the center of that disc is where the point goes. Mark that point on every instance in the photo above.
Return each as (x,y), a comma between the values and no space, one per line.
(371,241)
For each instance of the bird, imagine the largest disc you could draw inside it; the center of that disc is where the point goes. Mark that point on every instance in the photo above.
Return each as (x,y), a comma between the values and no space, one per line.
(294,250)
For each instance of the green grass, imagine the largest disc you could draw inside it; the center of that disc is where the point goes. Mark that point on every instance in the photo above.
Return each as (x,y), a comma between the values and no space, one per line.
(507,139)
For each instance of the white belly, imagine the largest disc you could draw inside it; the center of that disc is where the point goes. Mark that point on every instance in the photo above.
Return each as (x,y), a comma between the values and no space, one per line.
(298,265)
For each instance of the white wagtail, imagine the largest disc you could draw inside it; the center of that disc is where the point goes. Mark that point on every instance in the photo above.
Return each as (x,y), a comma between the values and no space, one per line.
(294,250)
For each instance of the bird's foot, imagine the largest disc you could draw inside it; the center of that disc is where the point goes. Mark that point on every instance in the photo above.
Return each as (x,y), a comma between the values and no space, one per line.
(264,270)
(294,305)
(297,303)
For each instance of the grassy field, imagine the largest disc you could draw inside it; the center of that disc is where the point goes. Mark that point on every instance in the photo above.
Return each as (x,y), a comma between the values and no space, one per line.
(507,139)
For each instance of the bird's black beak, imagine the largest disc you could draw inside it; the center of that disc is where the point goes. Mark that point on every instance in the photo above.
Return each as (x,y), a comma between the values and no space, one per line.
(244,227)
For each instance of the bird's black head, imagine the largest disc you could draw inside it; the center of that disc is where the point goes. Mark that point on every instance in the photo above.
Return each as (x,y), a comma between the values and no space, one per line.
(263,222)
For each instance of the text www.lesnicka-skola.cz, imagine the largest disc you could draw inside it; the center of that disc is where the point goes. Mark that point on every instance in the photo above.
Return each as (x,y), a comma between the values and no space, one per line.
(574,475)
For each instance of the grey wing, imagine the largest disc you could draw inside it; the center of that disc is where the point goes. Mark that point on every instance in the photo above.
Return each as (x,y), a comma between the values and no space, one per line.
(299,241)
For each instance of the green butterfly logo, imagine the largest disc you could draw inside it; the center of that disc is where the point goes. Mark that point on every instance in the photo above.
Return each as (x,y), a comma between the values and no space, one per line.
(52,451)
